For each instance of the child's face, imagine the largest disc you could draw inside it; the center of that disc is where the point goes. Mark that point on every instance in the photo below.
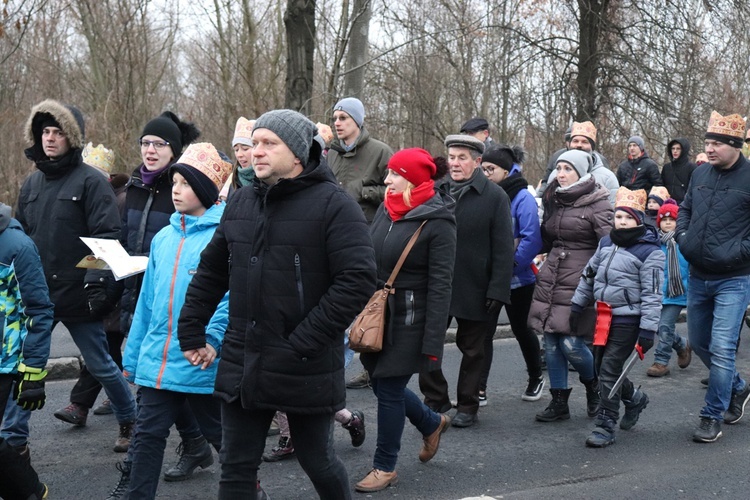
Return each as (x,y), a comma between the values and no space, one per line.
(243,153)
(184,198)
(668,224)
(652,205)
(624,220)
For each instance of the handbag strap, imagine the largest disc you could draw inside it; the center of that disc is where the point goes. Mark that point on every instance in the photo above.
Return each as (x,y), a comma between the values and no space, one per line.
(389,284)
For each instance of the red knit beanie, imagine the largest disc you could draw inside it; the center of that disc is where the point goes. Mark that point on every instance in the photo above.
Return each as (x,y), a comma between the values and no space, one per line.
(414,164)
(669,209)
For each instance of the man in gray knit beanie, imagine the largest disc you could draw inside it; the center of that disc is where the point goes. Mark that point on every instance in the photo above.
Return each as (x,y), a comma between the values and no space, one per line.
(295,131)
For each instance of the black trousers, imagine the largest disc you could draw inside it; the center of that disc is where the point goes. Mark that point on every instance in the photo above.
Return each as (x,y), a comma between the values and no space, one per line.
(620,344)
(470,341)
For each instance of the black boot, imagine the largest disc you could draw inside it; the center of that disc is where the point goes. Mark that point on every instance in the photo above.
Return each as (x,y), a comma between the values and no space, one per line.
(633,408)
(193,453)
(604,432)
(121,488)
(558,407)
(592,396)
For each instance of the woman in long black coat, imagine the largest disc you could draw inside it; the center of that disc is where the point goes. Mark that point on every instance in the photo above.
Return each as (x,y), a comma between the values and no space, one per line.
(418,311)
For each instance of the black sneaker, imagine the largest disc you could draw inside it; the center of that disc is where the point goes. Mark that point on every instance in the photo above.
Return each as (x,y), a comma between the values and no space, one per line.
(356,428)
(482,398)
(737,405)
(633,409)
(534,389)
(708,431)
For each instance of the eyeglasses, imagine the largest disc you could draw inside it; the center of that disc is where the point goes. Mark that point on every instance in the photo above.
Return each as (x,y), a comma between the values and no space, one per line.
(340,118)
(488,170)
(158,145)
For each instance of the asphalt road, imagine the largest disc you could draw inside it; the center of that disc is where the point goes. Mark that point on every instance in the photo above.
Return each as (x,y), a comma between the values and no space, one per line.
(506,455)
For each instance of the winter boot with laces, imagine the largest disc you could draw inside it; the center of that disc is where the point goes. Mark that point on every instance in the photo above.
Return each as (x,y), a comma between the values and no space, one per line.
(122,485)
(558,407)
(193,453)
(356,428)
(604,432)
(633,408)
(592,396)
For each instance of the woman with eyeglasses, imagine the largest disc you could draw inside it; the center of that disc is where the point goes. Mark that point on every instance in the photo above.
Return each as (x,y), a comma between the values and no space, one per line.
(501,165)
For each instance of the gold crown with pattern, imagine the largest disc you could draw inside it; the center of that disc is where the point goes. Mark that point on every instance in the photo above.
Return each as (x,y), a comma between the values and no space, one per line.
(625,198)
(243,132)
(204,157)
(99,157)
(586,129)
(659,191)
(732,125)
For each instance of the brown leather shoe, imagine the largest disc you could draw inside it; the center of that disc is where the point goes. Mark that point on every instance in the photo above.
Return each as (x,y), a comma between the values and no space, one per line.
(684,357)
(431,443)
(376,480)
(657,370)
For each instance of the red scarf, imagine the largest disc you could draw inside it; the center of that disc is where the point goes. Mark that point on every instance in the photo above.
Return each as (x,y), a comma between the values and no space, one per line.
(397,207)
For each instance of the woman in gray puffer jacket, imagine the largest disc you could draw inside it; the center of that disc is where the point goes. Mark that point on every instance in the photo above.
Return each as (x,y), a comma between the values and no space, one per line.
(577,214)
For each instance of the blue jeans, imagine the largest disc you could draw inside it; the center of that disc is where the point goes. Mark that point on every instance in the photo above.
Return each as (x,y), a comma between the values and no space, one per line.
(395,402)
(561,349)
(15,429)
(157,411)
(667,338)
(245,438)
(715,310)
(91,340)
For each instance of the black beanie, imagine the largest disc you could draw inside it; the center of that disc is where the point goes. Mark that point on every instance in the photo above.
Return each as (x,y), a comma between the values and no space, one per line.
(169,127)
(203,187)
(499,156)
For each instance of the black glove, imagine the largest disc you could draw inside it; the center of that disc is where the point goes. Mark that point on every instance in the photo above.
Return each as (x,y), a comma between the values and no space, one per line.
(28,391)
(98,301)
(646,341)
(575,315)
(493,306)
(430,364)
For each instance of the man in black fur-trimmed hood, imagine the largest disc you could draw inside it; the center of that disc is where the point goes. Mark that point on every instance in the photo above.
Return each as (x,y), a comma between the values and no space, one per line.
(61,201)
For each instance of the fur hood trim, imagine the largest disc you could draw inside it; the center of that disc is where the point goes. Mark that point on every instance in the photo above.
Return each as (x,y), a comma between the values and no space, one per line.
(69,118)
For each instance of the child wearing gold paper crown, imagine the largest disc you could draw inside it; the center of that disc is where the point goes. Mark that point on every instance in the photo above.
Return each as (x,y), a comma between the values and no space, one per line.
(153,359)
(624,277)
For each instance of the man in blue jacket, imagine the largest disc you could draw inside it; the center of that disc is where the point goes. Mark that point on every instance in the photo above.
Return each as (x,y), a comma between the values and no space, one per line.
(713,232)
(25,328)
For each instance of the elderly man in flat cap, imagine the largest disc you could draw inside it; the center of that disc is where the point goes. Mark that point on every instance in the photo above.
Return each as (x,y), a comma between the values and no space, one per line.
(482,274)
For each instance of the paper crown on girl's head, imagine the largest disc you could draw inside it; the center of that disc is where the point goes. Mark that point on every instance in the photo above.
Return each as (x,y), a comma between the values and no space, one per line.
(625,198)
(99,157)
(243,132)
(204,157)
(659,193)
(586,129)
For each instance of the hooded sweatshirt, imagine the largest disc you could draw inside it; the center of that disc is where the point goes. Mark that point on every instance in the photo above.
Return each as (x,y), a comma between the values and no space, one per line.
(677,173)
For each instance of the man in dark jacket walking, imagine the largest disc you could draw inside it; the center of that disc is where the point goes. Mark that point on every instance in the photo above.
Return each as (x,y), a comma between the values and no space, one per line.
(295,253)
(676,174)
(713,232)
(60,202)
(638,171)
(481,277)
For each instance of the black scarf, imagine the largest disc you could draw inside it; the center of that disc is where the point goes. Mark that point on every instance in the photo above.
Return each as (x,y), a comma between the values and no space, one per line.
(627,237)
(513,185)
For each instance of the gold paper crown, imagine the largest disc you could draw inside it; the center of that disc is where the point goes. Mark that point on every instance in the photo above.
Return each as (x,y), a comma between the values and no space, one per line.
(585,129)
(99,157)
(732,125)
(325,132)
(203,157)
(243,131)
(659,191)
(625,198)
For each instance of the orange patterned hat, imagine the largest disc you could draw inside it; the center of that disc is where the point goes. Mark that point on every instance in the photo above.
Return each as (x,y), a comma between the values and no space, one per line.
(660,193)
(243,132)
(586,129)
(727,129)
(625,198)
(205,170)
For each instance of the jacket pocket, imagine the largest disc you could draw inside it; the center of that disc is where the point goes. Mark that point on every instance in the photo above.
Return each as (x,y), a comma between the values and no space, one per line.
(298,279)
(409,299)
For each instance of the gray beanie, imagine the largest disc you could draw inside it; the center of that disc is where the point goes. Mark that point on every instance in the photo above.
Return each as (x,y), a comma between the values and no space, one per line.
(293,128)
(579,160)
(637,140)
(352,107)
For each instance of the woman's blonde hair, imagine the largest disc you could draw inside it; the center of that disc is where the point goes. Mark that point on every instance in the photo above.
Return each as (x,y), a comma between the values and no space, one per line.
(407,194)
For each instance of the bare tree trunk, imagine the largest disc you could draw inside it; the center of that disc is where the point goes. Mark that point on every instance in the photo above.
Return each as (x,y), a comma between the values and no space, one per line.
(590,24)
(299,21)
(358,45)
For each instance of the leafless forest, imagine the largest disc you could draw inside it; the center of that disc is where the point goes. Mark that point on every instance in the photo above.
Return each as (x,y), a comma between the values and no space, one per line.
(422,67)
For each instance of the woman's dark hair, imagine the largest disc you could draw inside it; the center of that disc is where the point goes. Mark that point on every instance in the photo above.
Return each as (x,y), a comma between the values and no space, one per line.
(442,167)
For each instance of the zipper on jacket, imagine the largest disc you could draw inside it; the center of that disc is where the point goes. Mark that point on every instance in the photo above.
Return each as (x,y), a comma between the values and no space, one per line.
(298,277)
(606,269)
(410,307)
(170,307)
(627,299)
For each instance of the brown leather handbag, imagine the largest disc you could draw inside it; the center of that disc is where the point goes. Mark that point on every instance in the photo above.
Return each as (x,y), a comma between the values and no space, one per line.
(367,332)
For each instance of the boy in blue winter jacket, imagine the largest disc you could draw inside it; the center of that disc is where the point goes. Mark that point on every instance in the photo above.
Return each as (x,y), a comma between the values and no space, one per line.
(152,357)
(25,329)
(624,277)
(676,275)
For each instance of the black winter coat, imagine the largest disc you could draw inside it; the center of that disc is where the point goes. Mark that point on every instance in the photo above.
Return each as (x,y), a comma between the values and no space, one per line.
(60,202)
(298,262)
(147,211)
(713,227)
(418,311)
(676,174)
(484,249)
(641,173)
